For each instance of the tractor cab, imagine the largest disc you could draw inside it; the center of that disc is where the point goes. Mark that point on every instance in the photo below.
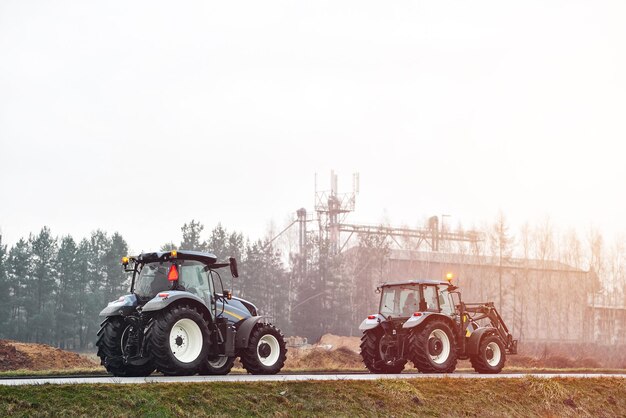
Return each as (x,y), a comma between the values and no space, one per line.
(403,300)
(190,271)
(191,276)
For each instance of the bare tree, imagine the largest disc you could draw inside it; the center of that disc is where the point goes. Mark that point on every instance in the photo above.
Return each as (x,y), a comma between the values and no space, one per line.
(501,244)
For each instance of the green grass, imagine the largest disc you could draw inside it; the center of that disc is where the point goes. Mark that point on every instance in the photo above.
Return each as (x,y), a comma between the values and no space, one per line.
(527,396)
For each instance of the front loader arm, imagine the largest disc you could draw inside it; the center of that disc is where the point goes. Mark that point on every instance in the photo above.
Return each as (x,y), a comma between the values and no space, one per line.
(488,310)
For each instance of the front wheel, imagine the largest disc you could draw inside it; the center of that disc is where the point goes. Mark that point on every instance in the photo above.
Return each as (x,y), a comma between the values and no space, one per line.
(266,352)
(219,366)
(177,340)
(432,347)
(490,357)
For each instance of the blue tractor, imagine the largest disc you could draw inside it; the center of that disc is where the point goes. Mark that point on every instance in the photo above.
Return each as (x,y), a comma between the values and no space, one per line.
(179,320)
(427,323)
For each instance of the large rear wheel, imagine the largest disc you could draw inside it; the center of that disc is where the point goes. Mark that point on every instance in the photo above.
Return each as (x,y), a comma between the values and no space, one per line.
(177,339)
(111,343)
(380,352)
(219,366)
(432,347)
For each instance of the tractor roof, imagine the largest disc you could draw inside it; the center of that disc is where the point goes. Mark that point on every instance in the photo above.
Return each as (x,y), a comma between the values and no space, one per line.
(416,281)
(207,258)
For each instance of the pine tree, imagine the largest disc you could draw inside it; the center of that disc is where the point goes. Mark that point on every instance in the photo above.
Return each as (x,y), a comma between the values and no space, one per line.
(169,246)
(97,279)
(82,292)
(19,272)
(5,303)
(116,282)
(191,236)
(68,301)
(218,242)
(43,280)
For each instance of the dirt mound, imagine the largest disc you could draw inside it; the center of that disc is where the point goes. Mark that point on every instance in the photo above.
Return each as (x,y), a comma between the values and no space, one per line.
(16,355)
(333,342)
(323,359)
(11,358)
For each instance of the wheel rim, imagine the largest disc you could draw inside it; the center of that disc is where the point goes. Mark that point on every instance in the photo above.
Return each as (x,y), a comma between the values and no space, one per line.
(438,346)
(268,350)
(383,349)
(186,340)
(493,354)
(124,339)
(219,363)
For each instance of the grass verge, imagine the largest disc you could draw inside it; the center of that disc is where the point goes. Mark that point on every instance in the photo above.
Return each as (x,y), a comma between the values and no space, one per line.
(527,396)
(95,371)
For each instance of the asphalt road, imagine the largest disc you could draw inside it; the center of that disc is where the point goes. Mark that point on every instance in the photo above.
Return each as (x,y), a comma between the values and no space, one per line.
(278,378)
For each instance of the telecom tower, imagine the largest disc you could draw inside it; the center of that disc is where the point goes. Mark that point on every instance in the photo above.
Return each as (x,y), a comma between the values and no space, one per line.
(332,209)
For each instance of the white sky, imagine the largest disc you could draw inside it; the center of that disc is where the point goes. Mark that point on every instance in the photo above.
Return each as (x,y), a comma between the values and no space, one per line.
(139,116)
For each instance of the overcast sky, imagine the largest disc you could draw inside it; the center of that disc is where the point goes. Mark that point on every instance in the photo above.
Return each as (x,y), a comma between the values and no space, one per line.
(139,116)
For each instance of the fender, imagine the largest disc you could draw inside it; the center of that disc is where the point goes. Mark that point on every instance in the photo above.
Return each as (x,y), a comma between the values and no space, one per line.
(244,329)
(414,321)
(474,339)
(124,306)
(167,298)
(371,323)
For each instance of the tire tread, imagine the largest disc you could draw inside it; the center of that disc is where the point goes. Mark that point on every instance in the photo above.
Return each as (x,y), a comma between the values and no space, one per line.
(249,357)
(418,339)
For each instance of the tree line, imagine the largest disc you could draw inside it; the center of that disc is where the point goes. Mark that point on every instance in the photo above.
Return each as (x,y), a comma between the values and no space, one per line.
(54,287)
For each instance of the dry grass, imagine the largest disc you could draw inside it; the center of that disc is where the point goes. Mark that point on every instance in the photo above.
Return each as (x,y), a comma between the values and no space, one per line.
(346,360)
(445,397)
(321,359)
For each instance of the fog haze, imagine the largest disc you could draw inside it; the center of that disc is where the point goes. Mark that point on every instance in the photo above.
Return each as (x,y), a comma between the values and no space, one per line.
(137,117)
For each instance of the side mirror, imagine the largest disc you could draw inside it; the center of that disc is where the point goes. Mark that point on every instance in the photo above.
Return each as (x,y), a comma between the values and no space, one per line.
(233,267)
(228,294)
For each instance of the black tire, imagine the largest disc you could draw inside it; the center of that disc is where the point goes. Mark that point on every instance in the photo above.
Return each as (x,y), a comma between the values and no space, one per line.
(485,361)
(372,353)
(256,358)
(110,351)
(160,331)
(218,366)
(427,343)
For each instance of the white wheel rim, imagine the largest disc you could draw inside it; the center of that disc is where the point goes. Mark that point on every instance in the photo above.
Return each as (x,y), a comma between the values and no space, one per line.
(495,358)
(219,363)
(186,340)
(272,357)
(445,349)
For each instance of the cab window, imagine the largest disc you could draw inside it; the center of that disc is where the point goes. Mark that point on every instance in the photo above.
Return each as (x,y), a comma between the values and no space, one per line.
(445,301)
(194,277)
(431,298)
